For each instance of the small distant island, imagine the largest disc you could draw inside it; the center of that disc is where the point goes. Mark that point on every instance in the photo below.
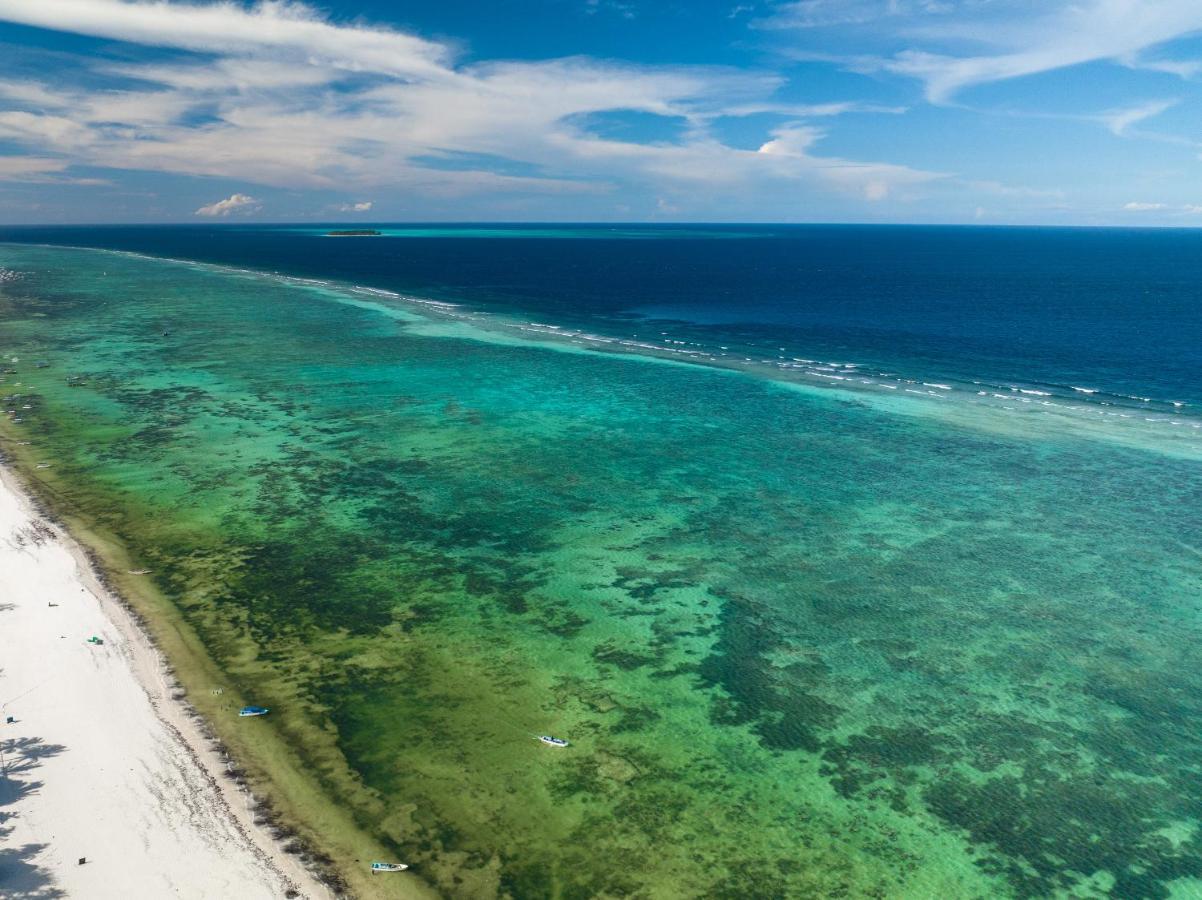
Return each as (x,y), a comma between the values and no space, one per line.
(354,232)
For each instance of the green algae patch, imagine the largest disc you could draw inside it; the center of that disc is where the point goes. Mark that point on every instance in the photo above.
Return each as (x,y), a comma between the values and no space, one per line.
(799,647)
(295,792)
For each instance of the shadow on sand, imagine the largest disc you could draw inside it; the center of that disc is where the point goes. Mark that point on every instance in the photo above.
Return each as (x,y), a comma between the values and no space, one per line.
(21,878)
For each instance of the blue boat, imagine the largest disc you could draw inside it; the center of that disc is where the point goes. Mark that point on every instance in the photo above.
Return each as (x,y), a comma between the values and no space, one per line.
(387,867)
(253,711)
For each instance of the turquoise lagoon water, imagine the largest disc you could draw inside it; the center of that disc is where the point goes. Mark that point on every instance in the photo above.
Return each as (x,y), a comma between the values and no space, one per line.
(805,641)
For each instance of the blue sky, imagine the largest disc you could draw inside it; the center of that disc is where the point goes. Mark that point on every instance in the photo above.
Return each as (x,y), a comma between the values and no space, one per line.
(986,111)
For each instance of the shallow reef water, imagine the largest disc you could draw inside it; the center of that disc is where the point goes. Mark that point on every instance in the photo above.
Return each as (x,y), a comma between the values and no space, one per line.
(802,646)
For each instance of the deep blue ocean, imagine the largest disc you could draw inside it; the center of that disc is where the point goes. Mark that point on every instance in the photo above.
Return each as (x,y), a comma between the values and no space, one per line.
(1113,311)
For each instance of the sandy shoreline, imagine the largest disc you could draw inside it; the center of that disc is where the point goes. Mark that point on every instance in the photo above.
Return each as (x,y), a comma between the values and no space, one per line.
(100,762)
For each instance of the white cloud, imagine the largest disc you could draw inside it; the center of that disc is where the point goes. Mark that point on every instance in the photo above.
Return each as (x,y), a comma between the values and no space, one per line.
(239,203)
(363,206)
(1119,121)
(811,110)
(794,140)
(292,100)
(1184,69)
(828,13)
(1007,38)
(57,131)
(40,170)
(230,28)
(1009,190)
(29,168)
(876,189)
(230,74)
(874,181)
(1186,209)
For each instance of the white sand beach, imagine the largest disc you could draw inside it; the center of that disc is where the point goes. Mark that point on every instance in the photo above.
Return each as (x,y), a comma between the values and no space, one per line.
(100,763)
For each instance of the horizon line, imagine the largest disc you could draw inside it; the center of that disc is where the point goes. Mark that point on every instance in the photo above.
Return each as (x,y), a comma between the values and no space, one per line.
(596,223)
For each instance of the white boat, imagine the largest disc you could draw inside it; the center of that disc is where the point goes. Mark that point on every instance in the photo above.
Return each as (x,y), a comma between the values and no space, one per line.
(388,867)
(552,741)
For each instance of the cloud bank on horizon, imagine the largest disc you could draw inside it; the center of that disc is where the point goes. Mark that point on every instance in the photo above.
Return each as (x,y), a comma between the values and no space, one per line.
(235,203)
(812,110)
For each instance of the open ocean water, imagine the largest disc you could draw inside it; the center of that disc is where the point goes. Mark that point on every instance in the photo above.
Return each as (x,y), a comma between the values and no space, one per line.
(852,561)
